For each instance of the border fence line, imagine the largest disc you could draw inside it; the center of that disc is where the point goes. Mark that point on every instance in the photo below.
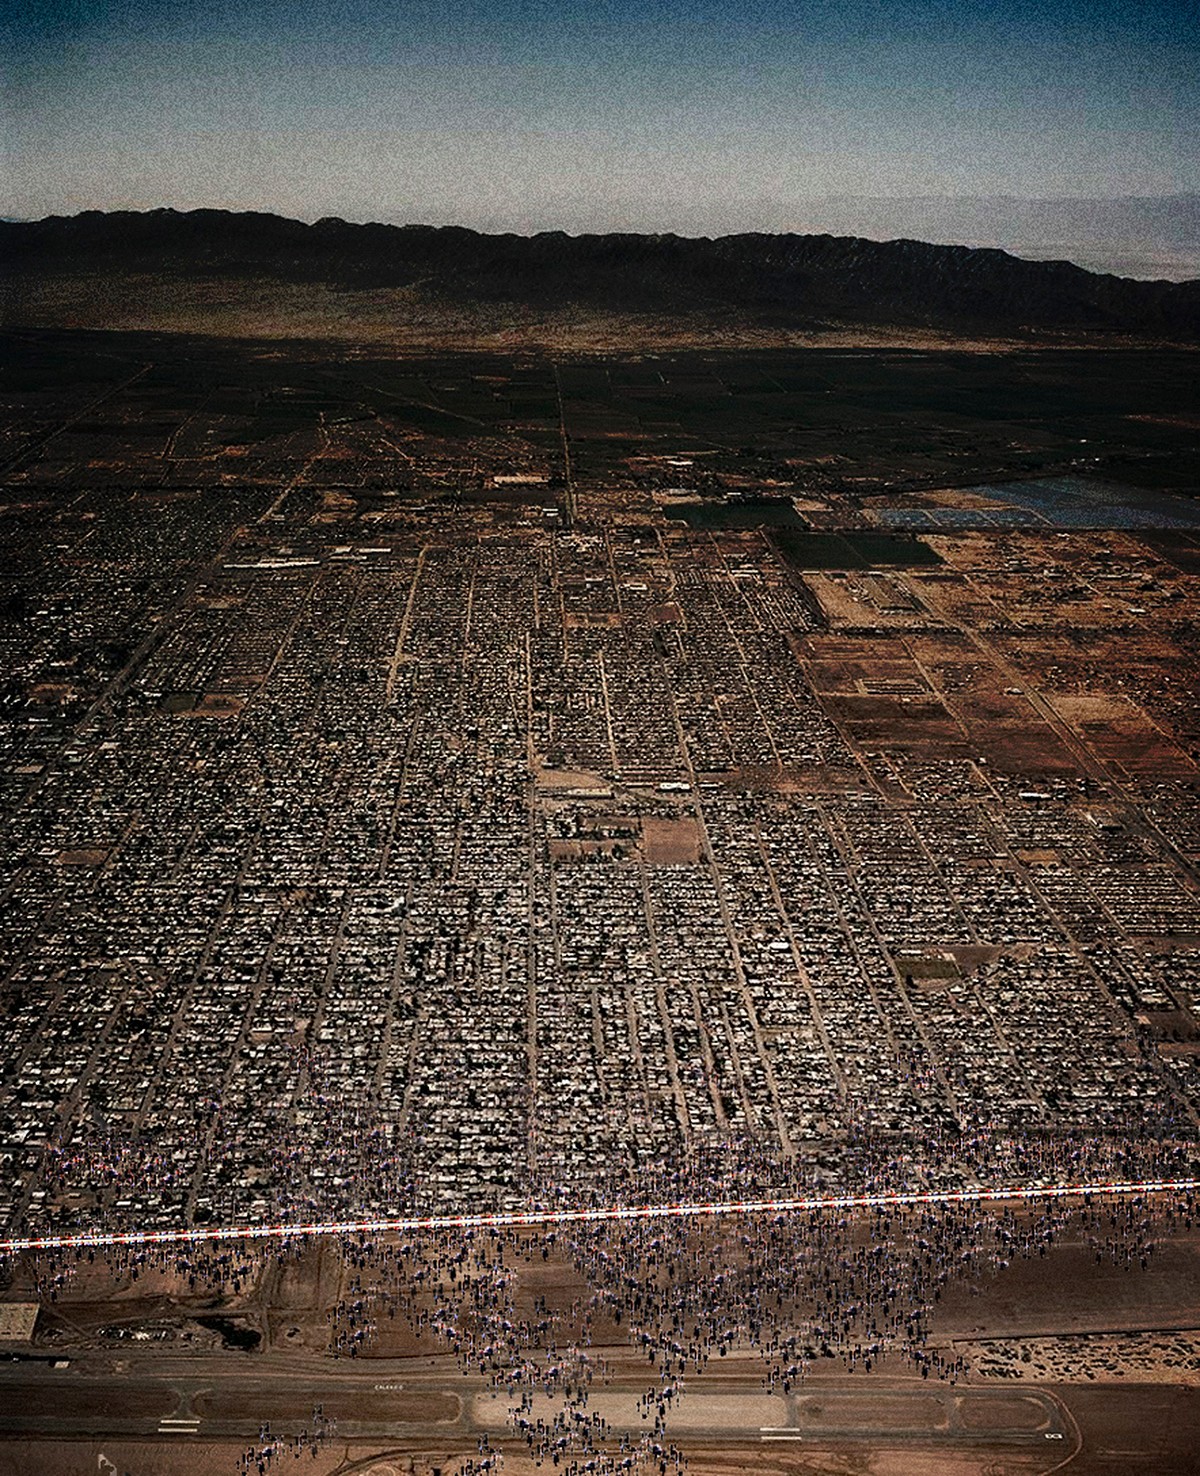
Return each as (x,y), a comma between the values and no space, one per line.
(548,1218)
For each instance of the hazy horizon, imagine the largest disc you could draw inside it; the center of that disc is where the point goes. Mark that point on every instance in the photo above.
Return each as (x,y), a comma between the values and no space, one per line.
(487,111)
(602,115)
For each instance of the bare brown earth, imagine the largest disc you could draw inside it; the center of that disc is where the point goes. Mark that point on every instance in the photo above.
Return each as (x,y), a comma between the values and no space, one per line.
(670,842)
(91,1401)
(967,660)
(1075,1317)
(913,693)
(1070,1291)
(1137,1429)
(396,318)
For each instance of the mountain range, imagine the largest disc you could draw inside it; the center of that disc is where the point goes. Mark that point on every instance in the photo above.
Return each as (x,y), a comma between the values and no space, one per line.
(213,270)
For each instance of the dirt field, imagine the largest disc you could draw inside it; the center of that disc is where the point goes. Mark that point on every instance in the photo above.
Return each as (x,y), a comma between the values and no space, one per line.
(1139,1429)
(670,842)
(1120,734)
(932,694)
(1148,1358)
(1069,1291)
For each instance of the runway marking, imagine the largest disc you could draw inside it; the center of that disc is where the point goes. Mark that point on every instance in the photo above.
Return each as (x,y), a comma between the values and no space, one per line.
(179,1425)
(507,1219)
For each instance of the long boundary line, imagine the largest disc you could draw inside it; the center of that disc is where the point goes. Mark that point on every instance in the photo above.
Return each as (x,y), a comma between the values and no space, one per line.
(696,1210)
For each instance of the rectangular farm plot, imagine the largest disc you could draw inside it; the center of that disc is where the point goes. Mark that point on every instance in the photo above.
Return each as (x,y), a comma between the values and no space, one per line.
(897,722)
(877,693)
(853,600)
(952,596)
(851,550)
(1121,735)
(931,693)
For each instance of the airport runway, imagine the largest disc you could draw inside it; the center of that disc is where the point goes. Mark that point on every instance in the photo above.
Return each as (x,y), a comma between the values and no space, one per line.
(223,1399)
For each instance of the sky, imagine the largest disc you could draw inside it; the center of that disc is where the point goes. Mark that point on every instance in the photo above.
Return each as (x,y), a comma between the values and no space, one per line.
(592,114)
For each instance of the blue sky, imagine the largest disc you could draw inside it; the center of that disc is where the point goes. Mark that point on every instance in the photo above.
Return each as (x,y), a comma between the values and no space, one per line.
(601,115)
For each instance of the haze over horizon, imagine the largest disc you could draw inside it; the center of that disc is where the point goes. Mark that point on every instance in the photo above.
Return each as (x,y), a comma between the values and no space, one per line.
(602,117)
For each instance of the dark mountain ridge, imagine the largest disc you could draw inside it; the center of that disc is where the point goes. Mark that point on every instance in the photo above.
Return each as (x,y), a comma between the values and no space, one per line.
(785,281)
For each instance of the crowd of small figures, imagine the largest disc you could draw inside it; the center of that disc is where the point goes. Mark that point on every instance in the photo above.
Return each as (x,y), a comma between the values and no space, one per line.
(269,1452)
(801,1290)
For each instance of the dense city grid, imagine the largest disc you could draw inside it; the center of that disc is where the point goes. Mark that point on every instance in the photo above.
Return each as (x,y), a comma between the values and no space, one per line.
(489,787)
(374,856)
